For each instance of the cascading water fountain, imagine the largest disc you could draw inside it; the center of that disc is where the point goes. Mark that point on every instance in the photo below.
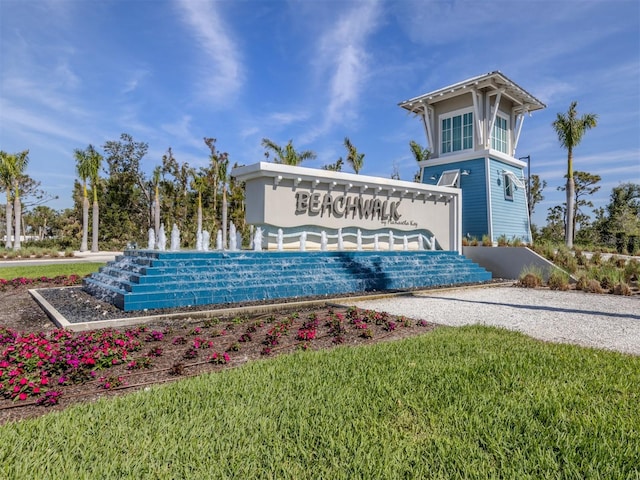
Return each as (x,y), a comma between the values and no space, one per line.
(219,240)
(205,240)
(303,241)
(405,243)
(376,242)
(340,240)
(323,241)
(391,240)
(257,240)
(175,238)
(199,240)
(152,240)
(233,237)
(359,241)
(162,239)
(280,240)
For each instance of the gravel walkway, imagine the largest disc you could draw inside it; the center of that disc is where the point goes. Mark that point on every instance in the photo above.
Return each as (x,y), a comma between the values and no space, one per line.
(600,321)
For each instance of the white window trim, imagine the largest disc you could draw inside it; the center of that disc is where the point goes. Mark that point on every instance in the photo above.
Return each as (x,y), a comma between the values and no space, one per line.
(508,187)
(451,183)
(505,117)
(452,114)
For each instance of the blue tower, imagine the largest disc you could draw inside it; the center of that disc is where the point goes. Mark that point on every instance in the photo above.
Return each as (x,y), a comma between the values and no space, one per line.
(472,130)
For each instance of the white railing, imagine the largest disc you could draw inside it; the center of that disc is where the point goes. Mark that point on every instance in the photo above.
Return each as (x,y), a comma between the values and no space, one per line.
(424,242)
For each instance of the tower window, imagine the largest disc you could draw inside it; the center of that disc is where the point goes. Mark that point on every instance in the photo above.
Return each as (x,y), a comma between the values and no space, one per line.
(456,133)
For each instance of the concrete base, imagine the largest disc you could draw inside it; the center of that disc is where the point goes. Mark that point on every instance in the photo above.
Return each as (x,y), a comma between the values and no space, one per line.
(509,262)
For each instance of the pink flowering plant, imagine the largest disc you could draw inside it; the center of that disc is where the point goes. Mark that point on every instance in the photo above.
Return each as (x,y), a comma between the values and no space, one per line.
(30,363)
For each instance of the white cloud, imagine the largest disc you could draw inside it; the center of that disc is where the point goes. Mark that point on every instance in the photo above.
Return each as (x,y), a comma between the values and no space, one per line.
(221,75)
(342,52)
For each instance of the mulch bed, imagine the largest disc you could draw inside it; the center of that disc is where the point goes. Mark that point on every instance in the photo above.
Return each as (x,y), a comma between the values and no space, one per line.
(174,349)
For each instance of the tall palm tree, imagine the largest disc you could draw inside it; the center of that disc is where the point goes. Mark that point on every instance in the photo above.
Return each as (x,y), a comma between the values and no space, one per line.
(17,165)
(94,161)
(157,173)
(223,175)
(570,129)
(420,154)
(83,170)
(6,182)
(199,185)
(287,155)
(355,159)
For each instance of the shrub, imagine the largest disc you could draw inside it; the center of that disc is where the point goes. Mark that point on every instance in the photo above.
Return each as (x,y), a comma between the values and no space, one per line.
(621,289)
(473,241)
(486,241)
(517,242)
(582,283)
(530,277)
(593,286)
(558,280)
(503,241)
(596,258)
(632,271)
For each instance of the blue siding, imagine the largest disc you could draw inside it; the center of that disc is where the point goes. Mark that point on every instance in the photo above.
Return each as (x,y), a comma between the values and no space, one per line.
(475,221)
(509,217)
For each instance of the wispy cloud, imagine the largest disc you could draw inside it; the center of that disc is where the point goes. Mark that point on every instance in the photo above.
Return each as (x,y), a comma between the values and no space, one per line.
(222,74)
(342,53)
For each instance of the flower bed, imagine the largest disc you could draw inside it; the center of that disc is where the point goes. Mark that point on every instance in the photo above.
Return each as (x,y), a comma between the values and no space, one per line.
(60,367)
(59,281)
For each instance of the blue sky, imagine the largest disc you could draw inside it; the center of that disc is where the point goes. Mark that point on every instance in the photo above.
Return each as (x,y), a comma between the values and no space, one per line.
(172,72)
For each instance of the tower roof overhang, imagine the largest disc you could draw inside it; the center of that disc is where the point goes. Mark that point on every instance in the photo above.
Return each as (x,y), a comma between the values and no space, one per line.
(493,81)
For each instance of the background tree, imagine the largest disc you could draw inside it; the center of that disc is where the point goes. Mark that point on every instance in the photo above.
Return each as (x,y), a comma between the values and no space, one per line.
(570,130)
(83,170)
(287,155)
(537,186)
(618,223)
(554,229)
(94,163)
(199,185)
(335,167)
(420,154)
(354,158)
(584,187)
(42,221)
(16,164)
(6,183)
(126,196)
(176,194)
(155,180)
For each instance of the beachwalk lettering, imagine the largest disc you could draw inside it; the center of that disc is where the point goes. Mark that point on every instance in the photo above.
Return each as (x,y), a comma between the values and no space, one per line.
(345,206)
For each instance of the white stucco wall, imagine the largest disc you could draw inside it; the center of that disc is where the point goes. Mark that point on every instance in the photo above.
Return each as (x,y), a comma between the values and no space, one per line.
(296,198)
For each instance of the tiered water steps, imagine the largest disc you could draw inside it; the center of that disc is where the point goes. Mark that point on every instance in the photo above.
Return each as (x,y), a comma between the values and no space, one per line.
(149,279)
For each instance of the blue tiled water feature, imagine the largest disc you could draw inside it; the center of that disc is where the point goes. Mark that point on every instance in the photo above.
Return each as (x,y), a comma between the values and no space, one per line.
(149,279)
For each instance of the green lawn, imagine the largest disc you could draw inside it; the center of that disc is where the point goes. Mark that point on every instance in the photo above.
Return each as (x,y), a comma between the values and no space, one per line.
(37,271)
(472,402)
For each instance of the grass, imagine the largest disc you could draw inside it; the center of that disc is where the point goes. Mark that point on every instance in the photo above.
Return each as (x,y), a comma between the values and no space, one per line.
(473,402)
(37,271)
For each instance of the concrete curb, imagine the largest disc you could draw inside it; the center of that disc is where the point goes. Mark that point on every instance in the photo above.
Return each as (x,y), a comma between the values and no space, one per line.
(61,322)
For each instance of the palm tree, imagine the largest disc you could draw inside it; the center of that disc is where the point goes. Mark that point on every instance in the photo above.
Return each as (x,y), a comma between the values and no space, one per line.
(6,182)
(17,165)
(199,185)
(287,155)
(354,158)
(83,170)
(420,154)
(223,176)
(94,161)
(157,173)
(570,129)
